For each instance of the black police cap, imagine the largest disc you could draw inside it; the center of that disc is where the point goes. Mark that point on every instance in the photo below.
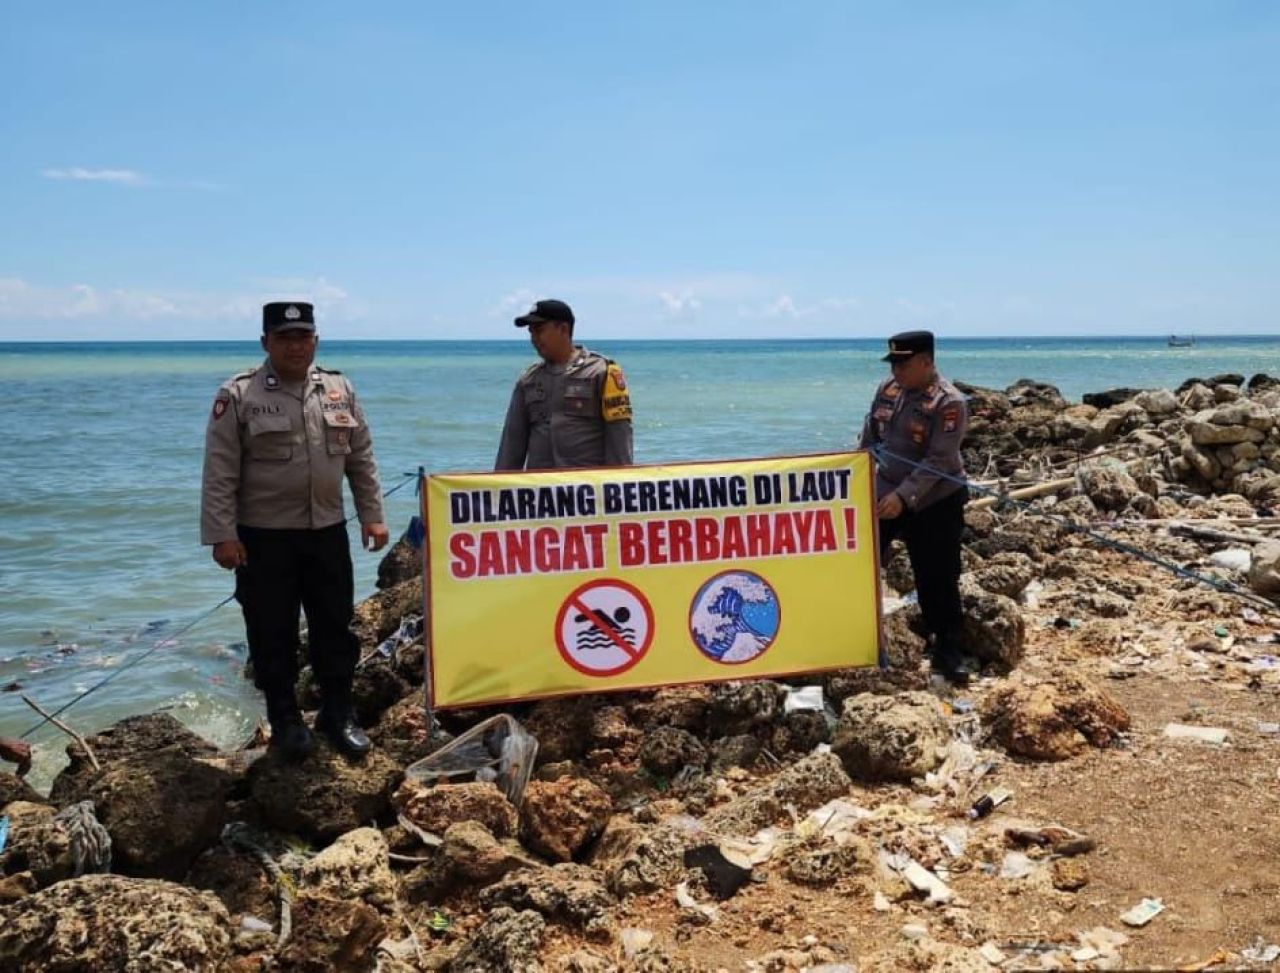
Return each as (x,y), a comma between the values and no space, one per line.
(543,311)
(288,316)
(907,343)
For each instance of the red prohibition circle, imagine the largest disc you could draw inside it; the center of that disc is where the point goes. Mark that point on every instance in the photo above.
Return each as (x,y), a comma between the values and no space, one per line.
(574,601)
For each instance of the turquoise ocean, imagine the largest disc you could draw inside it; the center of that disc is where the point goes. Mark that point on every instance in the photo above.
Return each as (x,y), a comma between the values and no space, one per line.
(100,556)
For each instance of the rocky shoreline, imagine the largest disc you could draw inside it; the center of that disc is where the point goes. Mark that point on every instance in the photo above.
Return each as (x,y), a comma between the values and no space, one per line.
(754,826)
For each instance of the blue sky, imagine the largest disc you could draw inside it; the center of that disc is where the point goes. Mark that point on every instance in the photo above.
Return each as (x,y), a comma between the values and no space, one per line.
(671,169)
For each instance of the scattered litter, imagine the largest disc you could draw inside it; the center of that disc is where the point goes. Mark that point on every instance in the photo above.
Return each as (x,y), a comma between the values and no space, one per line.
(989,802)
(914,931)
(954,840)
(409,632)
(803,698)
(836,819)
(1261,952)
(1250,616)
(634,940)
(1085,954)
(498,750)
(723,877)
(1106,941)
(1143,912)
(439,922)
(252,925)
(1268,728)
(1233,559)
(4,832)
(1222,631)
(960,764)
(920,878)
(962,706)
(991,953)
(881,902)
(1201,734)
(686,901)
(1059,840)
(1016,865)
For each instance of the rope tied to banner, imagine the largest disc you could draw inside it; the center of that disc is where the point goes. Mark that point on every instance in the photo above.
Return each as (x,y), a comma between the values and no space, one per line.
(170,640)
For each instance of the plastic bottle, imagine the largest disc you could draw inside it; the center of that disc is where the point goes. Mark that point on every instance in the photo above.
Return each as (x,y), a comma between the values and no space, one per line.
(988,802)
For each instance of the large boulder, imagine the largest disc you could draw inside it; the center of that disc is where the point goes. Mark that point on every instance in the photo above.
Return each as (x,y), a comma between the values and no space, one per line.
(1110,398)
(112,924)
(239,881)
(1052,719)
(324,795)
(401,563)
(668,750)
(162,808)
(1006,574)
(738,707)
(507,940)
(473,855)
(332,934)
(637,859)
(562,727)
(37,844)
(566,894)
(993,629)
(560,818)
(379,616)
(403,732)
(1108,485)
(685,707)
(1157,402)
(806,784)
(127,738)
(435,807)
(1264,571)
(896,737)
(14,788)
(355,866)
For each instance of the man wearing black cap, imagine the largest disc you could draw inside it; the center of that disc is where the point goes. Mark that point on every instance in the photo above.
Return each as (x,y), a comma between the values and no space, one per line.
(916,425)
(280,439)
(569,410)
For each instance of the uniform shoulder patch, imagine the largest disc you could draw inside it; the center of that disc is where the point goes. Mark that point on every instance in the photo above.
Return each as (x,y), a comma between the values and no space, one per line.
(951,418)
(221,403)
(615,400)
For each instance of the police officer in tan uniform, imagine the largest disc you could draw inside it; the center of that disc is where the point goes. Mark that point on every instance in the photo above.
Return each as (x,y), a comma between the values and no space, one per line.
(571,409)
(280,440)
(918,417)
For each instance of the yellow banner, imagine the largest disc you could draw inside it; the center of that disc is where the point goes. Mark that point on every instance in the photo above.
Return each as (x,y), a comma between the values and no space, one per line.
(578,581)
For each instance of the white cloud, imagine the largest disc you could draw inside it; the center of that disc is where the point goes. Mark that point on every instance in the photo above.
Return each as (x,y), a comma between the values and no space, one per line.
(25,302)
(786,306)
(125,177)
(681,303)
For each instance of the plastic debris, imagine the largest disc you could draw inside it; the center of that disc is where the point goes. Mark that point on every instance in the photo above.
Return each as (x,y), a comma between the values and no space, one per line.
(252,925)
(914,931)
(1268,729)
(881,902)
(921,879)
(1143,912)
(1233,559)
(723,876)
(1261,952)
(991,953)
(989,802)
(498,750)
(634,940)
(439,922)
(1016,865)
(410,631)
(686,901)
(4,832)
(803,698)
(1201,734)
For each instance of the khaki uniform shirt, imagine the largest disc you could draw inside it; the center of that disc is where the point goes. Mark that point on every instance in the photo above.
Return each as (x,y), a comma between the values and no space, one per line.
(275,457)
(570,417)
(925,426)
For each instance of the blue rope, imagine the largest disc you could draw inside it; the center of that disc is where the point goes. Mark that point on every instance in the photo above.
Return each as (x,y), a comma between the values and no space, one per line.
(170,639)
(1220,584)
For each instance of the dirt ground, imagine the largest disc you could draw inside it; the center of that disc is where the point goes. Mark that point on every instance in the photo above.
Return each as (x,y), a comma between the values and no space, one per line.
(1195,825)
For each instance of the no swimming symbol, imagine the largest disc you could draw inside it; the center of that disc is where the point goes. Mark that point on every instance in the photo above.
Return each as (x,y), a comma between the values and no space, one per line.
(604,627)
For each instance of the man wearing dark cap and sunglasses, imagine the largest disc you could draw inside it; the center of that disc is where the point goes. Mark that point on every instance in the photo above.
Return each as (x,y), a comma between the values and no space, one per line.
(919,419)
(569,410)
(280,440)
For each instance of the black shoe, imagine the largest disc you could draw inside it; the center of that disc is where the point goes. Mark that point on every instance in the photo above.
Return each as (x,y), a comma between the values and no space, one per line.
(950,669)
(344,733)
(292,739)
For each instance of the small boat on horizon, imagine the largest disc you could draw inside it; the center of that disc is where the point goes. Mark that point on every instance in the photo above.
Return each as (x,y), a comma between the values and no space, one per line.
(1176,342)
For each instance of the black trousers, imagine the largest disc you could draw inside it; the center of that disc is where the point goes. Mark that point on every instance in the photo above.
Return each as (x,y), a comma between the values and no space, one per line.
(932,537)
(288,571)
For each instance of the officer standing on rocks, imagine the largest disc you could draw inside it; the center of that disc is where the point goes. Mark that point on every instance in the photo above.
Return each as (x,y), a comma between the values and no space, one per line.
(572,408)
(919,420)
(280,439)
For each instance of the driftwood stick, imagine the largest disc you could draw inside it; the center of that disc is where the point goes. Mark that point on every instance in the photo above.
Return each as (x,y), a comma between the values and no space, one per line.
(1207,534)
(1026,493)
(65,729)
